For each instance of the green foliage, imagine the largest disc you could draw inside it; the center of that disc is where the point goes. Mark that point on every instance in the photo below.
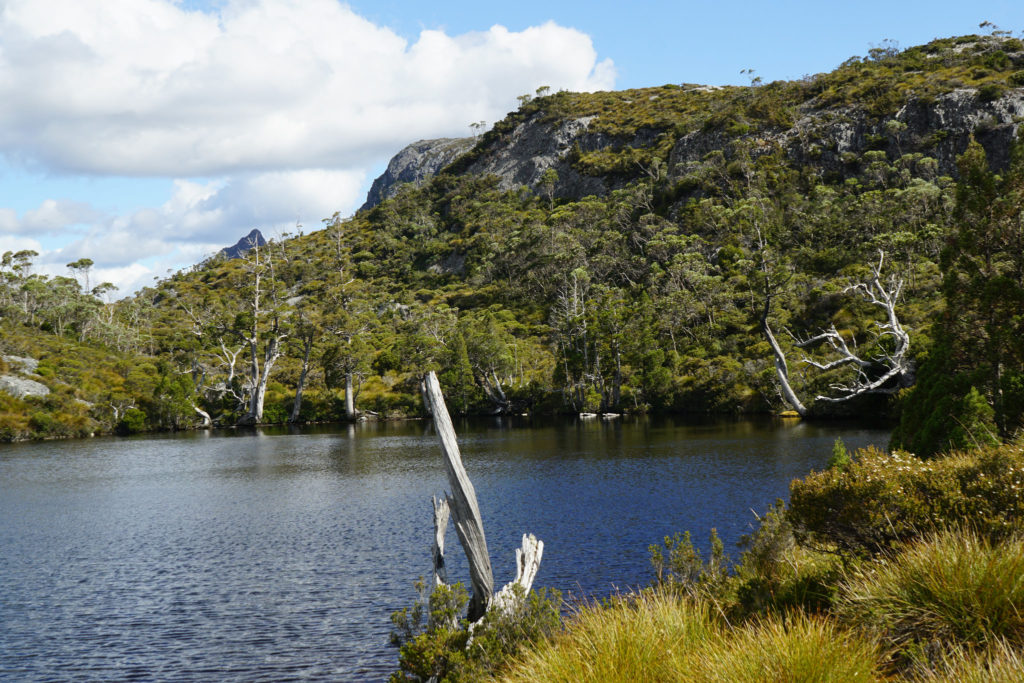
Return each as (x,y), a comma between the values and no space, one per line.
(776,576)
(881,500)
(431,644)
(133,422)
(679,566)
(435,642)
(969,390)
(943,412)
(840,458)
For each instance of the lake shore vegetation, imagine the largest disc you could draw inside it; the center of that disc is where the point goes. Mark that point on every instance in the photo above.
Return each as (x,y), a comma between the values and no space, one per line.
(937,598)
(681,258)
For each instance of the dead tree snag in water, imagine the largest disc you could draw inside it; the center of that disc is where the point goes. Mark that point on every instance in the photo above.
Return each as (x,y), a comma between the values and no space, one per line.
(468,524)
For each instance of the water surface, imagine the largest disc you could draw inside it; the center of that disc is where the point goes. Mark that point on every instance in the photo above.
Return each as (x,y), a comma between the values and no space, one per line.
(278,556)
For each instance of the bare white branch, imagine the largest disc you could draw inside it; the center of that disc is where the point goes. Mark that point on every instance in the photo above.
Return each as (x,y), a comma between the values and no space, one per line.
(892,364)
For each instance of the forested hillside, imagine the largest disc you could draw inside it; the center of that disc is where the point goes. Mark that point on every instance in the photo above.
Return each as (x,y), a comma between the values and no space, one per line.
(682,248)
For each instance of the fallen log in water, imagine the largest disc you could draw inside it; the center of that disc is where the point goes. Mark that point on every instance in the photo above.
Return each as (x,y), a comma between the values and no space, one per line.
(468,524)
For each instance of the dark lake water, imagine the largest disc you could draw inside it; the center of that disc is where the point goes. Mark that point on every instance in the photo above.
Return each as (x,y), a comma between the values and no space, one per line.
(277,556)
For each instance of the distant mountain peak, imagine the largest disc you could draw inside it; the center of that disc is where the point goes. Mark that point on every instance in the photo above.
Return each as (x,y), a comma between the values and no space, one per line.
(238,250)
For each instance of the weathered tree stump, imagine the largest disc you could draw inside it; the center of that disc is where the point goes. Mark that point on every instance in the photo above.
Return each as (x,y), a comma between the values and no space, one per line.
(468,524)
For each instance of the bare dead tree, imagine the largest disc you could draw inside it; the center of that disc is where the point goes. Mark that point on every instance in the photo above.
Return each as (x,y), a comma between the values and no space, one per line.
(465,513)
(772,284)
(257,269)
(886,372)
(892,368)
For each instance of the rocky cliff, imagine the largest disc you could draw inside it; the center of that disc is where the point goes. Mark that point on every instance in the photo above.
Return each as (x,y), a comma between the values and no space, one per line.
(414,164)
(928,101)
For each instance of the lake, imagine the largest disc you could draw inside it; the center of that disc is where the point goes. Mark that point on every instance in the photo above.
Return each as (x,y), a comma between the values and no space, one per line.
(278,555)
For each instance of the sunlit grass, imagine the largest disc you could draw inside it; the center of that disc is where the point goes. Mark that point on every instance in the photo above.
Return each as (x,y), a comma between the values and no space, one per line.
(647,637)
(655,636)
(954,588)
(792,649)
(1000,663)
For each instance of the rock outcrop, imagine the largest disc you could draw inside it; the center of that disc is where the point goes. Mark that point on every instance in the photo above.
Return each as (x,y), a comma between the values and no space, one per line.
(941,129)
(534,146)
(831,139)
(238,250)
(20,387)
(414,164)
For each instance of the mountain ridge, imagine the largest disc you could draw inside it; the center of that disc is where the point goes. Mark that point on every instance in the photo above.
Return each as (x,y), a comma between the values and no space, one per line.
(566,132)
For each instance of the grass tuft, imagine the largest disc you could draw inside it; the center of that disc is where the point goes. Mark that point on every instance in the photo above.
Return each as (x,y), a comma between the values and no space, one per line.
(952,588)
(794,649)
(657,636)
(1000,663)
(643,637)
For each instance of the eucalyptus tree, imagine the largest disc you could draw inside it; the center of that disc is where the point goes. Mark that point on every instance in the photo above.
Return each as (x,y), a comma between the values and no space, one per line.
(262,326)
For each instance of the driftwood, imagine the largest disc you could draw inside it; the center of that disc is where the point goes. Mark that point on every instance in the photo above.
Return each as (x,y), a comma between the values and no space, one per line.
(527,564)
(468,524)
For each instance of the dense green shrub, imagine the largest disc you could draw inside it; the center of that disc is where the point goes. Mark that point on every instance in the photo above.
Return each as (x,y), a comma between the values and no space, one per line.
(990,92)
(776,576)
(132,422)
(881,499)
(45,424)
(276,412)
(436,643)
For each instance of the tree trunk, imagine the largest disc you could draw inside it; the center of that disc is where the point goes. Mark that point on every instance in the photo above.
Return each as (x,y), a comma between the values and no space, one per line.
(527,565)
(465,510)
(781,368)
(425,397)
(207,422)
(441,512)
(617,387)
(259,392)
(297,406)
(350,403)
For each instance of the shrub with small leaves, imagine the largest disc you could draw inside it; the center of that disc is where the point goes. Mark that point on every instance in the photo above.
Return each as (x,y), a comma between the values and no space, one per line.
(775,575)
(436,643)
(840,458)
(678,564)
(880,500)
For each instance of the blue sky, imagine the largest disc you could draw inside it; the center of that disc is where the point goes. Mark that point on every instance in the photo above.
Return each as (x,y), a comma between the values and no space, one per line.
(654,42)
(145,134)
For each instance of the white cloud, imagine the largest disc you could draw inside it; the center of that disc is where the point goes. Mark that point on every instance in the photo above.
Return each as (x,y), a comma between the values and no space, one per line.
(50,217)
(200,219)
(145,87)
(16,243)
(265,113)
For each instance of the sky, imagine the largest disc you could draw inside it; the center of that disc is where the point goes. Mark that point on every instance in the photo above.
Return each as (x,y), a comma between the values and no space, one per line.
(147,134)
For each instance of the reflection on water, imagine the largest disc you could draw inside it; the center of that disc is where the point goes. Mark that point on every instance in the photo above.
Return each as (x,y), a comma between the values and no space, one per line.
(278,554)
